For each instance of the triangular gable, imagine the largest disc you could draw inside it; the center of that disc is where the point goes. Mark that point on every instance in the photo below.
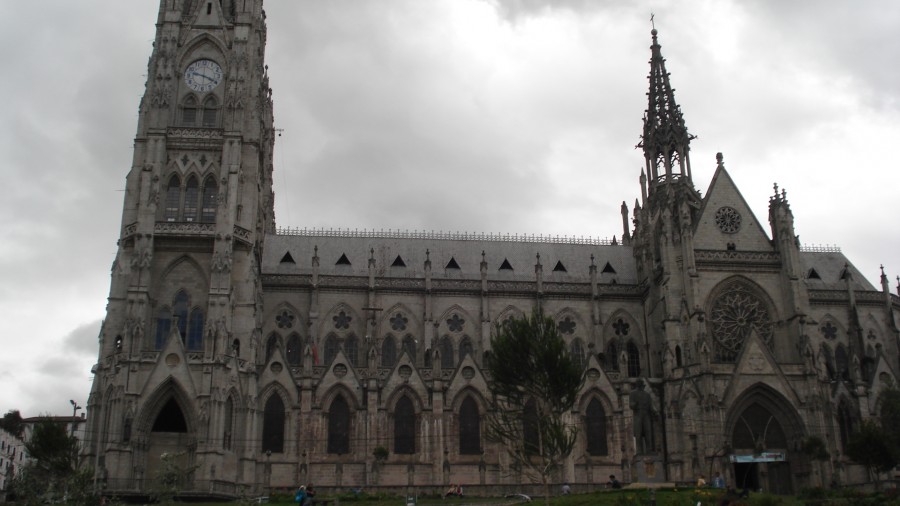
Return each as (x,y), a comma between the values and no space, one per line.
(882,367)
(596,379)
(395,380)
(459,382)
(277,371)
(172,362)
(336,375)
(755,365)
(721,196)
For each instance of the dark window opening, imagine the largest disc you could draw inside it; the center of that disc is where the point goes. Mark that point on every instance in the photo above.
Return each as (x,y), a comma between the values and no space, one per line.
(813,274)
(398,262)
(452,264)
(634,360)
(469,428)
(339,426)
(506,266)
(195,331)
(409,347)
(271,346)
(608,269)
(170,418)
(343,260)
(530,428)
(388,352)
(287,259)
(294,350)
(273,425)
(404,427)
(595,428)
(560,267)
(191,196)
(351,350)
(446,353)
(210,197)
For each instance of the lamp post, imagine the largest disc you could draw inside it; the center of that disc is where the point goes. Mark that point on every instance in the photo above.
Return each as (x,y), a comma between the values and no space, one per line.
(75,408)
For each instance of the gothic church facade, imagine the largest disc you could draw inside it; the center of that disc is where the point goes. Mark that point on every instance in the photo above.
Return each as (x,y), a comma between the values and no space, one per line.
(264,358)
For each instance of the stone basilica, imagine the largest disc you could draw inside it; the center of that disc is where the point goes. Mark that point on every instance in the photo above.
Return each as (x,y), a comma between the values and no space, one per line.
(263,358)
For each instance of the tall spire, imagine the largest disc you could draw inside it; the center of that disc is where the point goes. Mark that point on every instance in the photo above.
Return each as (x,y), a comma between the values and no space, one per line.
(666,141)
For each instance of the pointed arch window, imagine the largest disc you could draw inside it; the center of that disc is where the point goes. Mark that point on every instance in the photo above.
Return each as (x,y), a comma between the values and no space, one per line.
(170,418)
(612,356)
(191,198)
(388,352)
(173,198)
(195,331)
(273,425)
(181,313)
(228,425)
(595,428)
(189,111)
(163,327)
(404,427)
(331,348)
(339,426)
(271,346)
(351,349)
(446,353)
(842,362)
(210,112)
(294,350)
(465,348)
(469,427)
(845,423)
(634,360)
(576,350)
(409,346)
(209,200)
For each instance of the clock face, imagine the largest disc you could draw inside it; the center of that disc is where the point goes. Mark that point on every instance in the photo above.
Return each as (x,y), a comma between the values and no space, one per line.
(203,75)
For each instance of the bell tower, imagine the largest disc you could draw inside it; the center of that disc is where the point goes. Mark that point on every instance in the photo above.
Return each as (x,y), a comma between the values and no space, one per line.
(665,217)
(185,297)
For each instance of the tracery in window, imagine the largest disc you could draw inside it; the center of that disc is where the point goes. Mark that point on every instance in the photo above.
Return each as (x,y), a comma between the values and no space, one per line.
(294,350)
(566,326)
(455,323)
(634,360)
(404,427)
(195,331)
(189,111)
(576,350)
(736,312)
(210,112)
(388,351)
(209,201)
(173,198)
(331,347)
(611,358)
(446,353)
(351,350)
(284,319)
(409,346)
(465,348)
(163,327)
(191,198)
(398,322)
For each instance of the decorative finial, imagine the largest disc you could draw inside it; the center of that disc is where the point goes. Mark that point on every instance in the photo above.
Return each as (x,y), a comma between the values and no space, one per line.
(592,259)
(720,160)
(882,269)
(482,255)
(427,254)
(652,24)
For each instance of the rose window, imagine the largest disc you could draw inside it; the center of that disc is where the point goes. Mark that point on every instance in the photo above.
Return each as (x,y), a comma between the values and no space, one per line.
(341,320)
(621,327)
(829,331)
(735,314)
(284,320)
(398,322)
(728,219)
(567,326)
(455,323)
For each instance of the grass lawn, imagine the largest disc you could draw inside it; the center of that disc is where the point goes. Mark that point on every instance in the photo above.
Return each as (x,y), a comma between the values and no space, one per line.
(628,497)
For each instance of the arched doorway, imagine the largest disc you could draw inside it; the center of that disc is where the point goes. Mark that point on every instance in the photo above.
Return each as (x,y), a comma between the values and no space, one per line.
(763,428)
(169,438)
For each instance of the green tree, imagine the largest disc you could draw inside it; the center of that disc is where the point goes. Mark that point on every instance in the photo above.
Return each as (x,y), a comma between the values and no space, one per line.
(534,381)
(876,444)
(12,423)
(52,473)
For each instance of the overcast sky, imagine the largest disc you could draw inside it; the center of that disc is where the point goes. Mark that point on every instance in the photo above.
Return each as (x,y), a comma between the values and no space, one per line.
(471,115)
